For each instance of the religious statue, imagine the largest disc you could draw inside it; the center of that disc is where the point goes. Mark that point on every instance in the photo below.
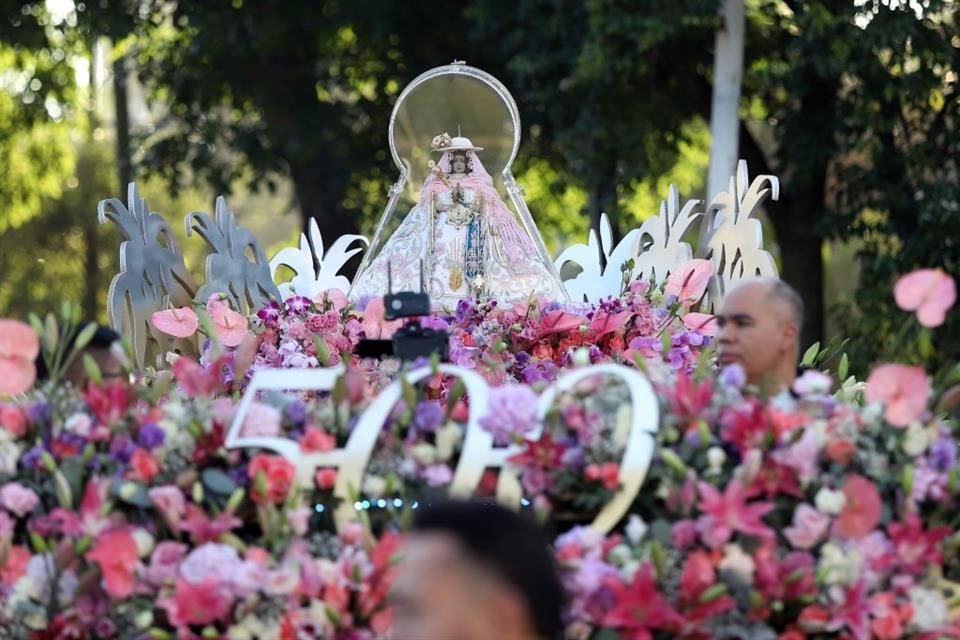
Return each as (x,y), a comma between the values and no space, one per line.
(460,240)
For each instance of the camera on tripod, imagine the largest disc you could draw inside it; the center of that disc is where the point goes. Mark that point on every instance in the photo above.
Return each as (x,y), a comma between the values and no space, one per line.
(412,340)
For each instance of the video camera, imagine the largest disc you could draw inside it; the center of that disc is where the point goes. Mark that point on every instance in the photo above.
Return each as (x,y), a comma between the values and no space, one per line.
(412,340)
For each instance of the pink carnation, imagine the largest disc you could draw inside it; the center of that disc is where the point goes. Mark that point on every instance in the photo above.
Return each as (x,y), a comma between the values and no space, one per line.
(13,419)
(808,528)
(171,504)
(261,420)
(18,499)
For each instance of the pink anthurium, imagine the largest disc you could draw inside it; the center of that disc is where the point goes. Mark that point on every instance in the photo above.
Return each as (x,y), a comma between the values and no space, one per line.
(604,323)
(374,323)
(903,390)
(560,321)
(929,292)
(179,323)
(19,346)
(336,298)
(690,281)
(704,323)
(231,326)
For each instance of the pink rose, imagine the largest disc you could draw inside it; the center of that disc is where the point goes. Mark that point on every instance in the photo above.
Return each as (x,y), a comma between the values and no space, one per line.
(316,439)
(171,504)
(18,499)
(326,478)
(272,477)
(809,525)
(13,419)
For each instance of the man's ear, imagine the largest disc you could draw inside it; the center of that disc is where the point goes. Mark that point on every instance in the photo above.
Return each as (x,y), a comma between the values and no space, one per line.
(790,335)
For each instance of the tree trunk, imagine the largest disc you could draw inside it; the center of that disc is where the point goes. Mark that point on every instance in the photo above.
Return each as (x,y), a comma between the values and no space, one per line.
(122,110)
(320,198)
(801,252)
(724,117)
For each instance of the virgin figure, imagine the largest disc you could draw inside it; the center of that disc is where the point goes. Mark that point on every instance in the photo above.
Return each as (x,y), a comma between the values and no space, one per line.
(460,240)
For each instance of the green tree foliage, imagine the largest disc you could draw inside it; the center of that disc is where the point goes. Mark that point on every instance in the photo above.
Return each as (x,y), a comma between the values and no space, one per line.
(35,149)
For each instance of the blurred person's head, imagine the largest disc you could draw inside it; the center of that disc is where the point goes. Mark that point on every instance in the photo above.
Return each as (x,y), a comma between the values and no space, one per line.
(759,329)
(476,571)
(104,347)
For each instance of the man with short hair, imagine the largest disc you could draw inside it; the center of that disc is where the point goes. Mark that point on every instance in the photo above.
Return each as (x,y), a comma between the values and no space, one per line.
(476,571)
(759,329)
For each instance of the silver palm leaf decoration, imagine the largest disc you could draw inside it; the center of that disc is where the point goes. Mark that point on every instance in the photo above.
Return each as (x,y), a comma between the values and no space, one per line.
(246,282)
(152,275)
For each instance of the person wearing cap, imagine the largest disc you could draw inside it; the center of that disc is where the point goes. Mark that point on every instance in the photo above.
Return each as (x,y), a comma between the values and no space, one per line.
(759,325)
(459,241)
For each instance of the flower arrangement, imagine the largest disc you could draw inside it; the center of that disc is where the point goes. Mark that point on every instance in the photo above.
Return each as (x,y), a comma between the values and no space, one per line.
(529,342)
(809,514)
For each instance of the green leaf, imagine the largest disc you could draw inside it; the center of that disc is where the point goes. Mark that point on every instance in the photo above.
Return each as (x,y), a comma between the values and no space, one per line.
(133,493)
(92,369)
(50,334)
(85,336)
(323,353)
(810,355)
(843,369)
(216,481)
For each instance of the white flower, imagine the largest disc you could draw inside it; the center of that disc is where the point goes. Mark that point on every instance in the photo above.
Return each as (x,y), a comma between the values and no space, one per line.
(374,485)
(915,440)
(79,423)
(750,467)
(144,541)
(424,453)
(636,529)
(829,501)
(738,562)
(580,357)
(619,555)
(812,382)
(839,566)
(872,412)
(252,628)
(448,438)
(629,570)
(929,609)
(9,454)
(715,458)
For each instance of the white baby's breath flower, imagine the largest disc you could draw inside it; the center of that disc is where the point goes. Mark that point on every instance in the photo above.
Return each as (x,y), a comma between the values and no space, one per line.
(829,501)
